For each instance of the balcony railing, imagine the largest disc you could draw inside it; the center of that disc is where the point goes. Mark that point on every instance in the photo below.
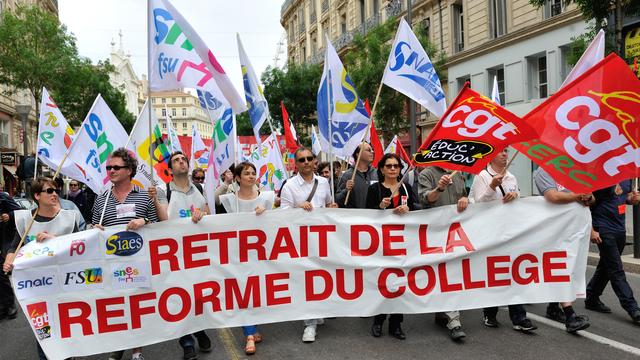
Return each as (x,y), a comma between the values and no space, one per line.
(394,8)
(317,57)
(285,6)
(302,28)
(325,6)
(312,17)
(369,24)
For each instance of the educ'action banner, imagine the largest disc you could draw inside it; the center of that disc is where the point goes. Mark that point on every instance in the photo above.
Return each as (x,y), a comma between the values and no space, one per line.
(98,291)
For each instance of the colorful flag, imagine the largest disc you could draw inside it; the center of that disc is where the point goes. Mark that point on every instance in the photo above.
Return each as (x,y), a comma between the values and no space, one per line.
(470,133)
(340,109)
(99,135)
(267,158)
(224,141)
(495,92)
(290,137)
(139,144)
(199,151)
(588,133)
(395,147)
(315,141)
(54,139)
(590,57)
(410,71)
(257,104)
(178,58)
(172,136)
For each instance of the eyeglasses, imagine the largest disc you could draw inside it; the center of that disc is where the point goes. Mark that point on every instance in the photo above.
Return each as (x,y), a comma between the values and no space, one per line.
(198,178)
(305,159)
(73,184)
(49,190)
(115,167)
(392,166)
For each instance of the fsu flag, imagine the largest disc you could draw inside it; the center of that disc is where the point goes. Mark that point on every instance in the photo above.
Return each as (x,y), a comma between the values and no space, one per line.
(470,133)
(588,131)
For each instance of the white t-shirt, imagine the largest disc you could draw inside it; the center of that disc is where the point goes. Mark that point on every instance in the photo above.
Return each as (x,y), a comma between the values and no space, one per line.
(296,191)
(264,199)
(182,204)
(481,190)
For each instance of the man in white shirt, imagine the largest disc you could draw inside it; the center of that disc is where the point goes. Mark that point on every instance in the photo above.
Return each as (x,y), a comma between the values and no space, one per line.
(307,191)
(493,183)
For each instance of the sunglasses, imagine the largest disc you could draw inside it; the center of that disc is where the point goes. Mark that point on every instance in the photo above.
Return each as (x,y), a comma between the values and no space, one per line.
(199,178)
(305,159)
(49,190)
(115,167)
(392,166)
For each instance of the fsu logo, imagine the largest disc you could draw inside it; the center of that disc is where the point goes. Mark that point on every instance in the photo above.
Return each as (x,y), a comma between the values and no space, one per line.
(124,243)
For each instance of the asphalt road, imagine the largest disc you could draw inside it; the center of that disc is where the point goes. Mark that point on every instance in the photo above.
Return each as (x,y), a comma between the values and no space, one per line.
(348,338)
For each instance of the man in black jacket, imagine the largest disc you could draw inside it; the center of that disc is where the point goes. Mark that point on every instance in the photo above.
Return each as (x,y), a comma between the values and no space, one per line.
(7,231)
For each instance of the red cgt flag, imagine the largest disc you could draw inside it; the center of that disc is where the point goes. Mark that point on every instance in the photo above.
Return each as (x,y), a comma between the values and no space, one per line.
(470,133)
(289,137)
(374,139)
(589,131)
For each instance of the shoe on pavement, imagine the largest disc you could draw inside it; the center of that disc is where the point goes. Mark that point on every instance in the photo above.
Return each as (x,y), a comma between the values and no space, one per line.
(397,333)
(491,321)
(577,323)
(376,330)
(597,305)
(524,325)
(456,333)
(309,334)
(204,343)
(556,314)
(635,316)
(190,353)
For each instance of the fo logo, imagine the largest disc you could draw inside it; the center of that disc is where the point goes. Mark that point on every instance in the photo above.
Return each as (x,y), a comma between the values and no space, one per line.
(40,319)
(124,243)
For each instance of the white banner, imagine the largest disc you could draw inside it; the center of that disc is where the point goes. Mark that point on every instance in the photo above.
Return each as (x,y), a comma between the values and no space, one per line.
(94,292)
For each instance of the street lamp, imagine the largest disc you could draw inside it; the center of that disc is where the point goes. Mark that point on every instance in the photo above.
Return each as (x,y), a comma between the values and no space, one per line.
(23,111)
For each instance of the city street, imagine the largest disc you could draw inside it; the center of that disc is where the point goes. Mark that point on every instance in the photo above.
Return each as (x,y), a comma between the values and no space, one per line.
(611,336)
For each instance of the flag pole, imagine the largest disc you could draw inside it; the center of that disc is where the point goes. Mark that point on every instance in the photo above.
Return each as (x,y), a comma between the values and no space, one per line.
(355,166)
(329,115)
(150,107)
(286,174)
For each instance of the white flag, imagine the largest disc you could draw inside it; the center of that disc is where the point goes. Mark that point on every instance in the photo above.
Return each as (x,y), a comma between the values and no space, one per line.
(139,145)
(178,58)
(410,71)
(257,104)
(199,151)
(338,101)
(100,134)
(211,180)
(315,142)
(495,92)
(267,159)
(590,57)
(224,141)
(172,135)
(55,136)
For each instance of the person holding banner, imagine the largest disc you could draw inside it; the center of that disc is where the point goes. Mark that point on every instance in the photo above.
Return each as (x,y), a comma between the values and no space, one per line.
(248,199)
(184,199)
(306,191)
(51,221)
(440,187)
(124,204)
(495,182)
(390,193)
(558,194)
(609,233)
(365,176)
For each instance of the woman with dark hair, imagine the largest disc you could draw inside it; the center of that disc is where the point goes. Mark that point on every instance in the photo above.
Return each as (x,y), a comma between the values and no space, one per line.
(379,196)
(248,199)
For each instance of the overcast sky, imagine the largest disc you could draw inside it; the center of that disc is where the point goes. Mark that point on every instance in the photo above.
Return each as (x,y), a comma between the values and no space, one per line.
(96,22)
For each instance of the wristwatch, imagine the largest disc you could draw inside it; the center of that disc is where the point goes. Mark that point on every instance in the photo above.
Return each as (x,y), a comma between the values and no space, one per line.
(146,221)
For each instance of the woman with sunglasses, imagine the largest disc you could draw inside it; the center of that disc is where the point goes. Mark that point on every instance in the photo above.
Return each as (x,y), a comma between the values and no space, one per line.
(50,222)
(379,196)
(248,199)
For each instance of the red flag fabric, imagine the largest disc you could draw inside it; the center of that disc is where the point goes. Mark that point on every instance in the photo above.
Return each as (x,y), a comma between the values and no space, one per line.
(374,139)
(470,133)
(289,138)
(588,131)
(403,154)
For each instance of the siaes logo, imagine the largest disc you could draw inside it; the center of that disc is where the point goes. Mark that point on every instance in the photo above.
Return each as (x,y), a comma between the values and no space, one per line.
(34,283)
(86,276)
(124,243)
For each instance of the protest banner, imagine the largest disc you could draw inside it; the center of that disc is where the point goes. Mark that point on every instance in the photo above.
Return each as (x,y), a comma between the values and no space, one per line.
(97,291)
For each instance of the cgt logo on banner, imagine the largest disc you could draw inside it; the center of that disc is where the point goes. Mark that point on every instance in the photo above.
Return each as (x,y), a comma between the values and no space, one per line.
(291,264)
(470,132)
(39,316)
(588,131)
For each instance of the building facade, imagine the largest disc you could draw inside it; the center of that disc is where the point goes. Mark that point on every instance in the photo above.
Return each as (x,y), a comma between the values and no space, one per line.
(184,110)
(124,77)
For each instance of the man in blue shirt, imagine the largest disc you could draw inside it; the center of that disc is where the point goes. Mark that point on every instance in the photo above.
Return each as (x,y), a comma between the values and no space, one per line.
(609,233)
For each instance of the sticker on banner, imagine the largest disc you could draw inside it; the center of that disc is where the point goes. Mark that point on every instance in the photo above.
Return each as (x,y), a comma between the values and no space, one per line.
(76,277)
(125,210)
(124,243)
(35,254)
(35,282)
(79,247)
(128,275)
(40,320)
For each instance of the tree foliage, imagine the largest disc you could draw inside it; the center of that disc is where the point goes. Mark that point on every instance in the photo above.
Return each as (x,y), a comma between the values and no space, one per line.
(37,51)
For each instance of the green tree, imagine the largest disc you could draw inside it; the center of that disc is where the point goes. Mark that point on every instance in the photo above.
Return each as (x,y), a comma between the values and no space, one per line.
(36,51)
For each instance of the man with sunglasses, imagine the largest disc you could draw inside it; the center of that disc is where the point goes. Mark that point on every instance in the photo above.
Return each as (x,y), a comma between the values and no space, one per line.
(183,198)
(365,176)
(126,204)
(307,191)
